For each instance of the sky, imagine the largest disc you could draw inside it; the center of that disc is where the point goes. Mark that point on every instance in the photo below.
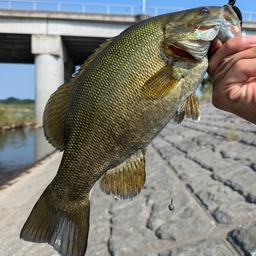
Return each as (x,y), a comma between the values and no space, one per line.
(18,80)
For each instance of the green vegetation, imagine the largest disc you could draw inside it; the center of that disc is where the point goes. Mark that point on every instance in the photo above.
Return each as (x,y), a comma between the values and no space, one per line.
(17,103)
(206,89)
(16,113)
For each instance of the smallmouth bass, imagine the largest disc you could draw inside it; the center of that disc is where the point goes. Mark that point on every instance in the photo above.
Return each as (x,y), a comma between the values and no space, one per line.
(104,118)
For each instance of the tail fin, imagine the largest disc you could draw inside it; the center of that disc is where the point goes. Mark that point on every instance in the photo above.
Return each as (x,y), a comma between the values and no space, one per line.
(65,229)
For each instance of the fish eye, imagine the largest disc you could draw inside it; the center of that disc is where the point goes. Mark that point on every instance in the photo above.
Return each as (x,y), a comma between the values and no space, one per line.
(203,10)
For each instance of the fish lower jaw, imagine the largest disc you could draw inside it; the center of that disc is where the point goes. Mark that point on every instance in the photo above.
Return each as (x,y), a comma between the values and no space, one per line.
(233,32)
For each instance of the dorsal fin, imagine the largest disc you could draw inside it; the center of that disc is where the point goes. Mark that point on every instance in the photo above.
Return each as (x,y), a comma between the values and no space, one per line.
(55,114)
(127,179)
(56,108)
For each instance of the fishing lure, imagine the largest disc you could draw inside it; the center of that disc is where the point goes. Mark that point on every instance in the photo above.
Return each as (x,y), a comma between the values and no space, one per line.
(236,9)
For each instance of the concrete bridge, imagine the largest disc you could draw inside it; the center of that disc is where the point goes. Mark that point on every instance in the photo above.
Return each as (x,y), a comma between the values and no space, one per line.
(57,41)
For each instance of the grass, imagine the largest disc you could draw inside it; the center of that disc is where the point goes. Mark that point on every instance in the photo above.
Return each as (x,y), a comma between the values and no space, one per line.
(16,115)
(17,107)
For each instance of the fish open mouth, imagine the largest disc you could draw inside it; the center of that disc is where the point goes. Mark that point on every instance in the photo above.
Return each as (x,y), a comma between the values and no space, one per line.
(172,50)
(185,53)
(181,52)
(203,27)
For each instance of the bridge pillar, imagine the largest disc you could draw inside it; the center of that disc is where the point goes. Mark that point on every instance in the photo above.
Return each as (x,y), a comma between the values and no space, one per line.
(50,57)
(49,76)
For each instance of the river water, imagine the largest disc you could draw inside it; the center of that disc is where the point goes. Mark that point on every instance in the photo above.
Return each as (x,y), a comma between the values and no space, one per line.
(19,150)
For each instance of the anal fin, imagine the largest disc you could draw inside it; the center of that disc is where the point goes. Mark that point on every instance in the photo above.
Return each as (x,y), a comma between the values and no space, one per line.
(127,179)
(189,109)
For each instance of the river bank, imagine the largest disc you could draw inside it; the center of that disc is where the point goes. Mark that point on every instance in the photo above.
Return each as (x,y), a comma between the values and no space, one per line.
(22,125)
(16,114)
(19,150)
(9,178)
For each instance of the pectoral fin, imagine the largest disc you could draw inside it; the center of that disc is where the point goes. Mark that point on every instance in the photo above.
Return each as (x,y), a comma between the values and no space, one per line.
(189,109)
(160,84)
(127,179)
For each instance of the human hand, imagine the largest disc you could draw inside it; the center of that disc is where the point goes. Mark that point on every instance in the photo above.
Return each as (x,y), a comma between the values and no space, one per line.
(232,70)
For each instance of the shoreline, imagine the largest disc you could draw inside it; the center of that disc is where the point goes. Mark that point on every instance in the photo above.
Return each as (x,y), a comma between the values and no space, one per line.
(14,127)
(27,170)
(21,150)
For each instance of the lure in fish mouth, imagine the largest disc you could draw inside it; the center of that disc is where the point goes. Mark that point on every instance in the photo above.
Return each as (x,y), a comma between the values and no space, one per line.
(104,118)
(224,25)
(237,10)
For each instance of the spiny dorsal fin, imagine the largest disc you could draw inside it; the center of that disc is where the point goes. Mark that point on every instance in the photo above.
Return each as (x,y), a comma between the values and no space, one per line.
(56,108)
(127,179)
(189,109)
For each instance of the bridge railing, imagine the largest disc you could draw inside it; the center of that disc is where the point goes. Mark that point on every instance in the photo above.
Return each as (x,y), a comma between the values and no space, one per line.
(249,16)
(81,7)
(94,8)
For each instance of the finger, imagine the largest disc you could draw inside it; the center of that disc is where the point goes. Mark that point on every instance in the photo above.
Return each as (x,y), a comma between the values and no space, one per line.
(231,64)
(241,72)
(215,45)
(232,46)
(239,86)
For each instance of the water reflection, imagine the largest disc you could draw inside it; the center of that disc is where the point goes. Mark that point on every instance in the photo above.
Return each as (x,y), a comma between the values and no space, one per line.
(20,149)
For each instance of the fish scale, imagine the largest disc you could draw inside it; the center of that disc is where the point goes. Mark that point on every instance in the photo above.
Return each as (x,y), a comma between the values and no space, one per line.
(120,99)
